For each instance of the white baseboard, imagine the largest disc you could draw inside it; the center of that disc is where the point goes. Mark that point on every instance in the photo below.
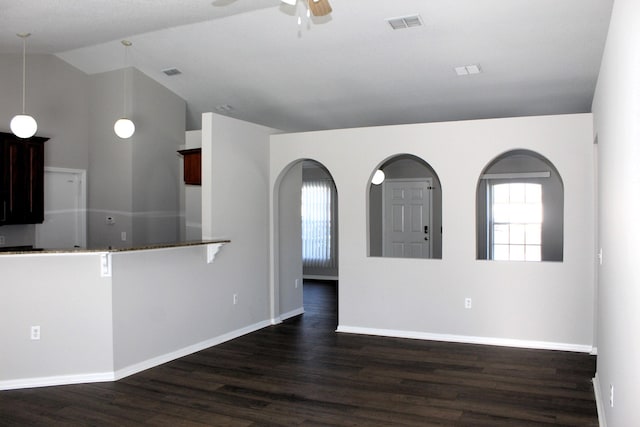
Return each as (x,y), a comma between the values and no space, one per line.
(288,315)
(503,342)
(292,313)
(602,421)
(56,380)
(132,369)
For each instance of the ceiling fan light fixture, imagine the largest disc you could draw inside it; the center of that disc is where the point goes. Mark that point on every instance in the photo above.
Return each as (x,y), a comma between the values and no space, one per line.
(320,7)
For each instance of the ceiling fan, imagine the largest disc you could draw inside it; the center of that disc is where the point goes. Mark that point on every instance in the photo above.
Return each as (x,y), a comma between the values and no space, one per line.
(317,7)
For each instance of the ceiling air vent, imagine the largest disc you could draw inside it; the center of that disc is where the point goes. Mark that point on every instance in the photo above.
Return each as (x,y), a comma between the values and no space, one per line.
(171,71)
(405,22)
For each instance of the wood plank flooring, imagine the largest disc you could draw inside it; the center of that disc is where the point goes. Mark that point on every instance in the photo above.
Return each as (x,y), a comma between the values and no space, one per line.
(301,373)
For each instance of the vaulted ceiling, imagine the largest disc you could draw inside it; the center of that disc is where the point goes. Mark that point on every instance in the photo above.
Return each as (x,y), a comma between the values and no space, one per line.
(251,59)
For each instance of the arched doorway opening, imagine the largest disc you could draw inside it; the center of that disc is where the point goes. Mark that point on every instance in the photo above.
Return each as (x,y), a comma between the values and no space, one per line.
(306,234)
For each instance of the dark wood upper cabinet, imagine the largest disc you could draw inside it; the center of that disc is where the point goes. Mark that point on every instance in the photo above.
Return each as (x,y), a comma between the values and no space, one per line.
(192,166)
(21,179)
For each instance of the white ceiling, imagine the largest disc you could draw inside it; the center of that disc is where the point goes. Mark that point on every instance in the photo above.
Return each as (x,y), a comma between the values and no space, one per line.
(348,70)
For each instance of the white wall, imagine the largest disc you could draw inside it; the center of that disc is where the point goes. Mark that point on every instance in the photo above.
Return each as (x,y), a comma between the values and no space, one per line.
(235,206)
(65,295)
(57,97)
(616,110)
(547,305)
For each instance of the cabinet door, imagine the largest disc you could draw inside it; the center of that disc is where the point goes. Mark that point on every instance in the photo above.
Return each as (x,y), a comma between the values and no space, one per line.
(34,183)
(11,182)
(21,179)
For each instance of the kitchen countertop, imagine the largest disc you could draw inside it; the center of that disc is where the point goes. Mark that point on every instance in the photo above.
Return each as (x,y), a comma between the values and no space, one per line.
(15,250)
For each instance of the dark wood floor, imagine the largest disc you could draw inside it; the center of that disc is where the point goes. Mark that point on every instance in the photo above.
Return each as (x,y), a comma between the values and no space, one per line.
(302,373)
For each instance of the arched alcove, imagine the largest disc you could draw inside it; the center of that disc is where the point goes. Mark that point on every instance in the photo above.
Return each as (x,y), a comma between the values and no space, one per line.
(405,210)
(520,209)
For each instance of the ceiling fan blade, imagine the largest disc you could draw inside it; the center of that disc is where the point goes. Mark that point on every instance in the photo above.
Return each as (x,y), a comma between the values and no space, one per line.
(320,7)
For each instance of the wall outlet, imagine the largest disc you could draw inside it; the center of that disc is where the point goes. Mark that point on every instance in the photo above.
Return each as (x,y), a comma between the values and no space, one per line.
(297,283)
(123,236)
(235,299)
(1,240)
(468,303)
(611,395)
(35,332)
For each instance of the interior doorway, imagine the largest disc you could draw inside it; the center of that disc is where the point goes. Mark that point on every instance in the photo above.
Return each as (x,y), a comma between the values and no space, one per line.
(65,210)
(306,242)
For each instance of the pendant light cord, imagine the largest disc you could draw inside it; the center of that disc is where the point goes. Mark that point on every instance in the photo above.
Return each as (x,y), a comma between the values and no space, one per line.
(24,74)
(124,83)
(126,44)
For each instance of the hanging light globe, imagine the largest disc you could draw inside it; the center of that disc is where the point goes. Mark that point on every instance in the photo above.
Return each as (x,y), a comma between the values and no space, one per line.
(23,126)
(124,128)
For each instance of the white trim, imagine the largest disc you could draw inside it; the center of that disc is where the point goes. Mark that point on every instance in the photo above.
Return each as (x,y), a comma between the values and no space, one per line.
(516,175)
(292,313)
(602,420)
(502,342)
(56,380)
(153,214)
(159,360)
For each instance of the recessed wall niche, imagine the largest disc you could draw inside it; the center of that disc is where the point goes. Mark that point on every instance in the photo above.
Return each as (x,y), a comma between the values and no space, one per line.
(405,210)
(520,209)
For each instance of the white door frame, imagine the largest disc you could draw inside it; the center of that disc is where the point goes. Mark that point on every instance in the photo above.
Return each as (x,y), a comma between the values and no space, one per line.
(82,202)
(426,180)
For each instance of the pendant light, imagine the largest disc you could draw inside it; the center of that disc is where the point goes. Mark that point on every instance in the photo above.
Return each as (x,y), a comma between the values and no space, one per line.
(378,177)
(23,125)
(124,127)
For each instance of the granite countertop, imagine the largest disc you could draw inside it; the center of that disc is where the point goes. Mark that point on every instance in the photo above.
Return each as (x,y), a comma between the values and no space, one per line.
(13,250)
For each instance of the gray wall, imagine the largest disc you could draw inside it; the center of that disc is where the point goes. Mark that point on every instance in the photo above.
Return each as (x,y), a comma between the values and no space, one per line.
(289,235)
(58,98)
(135,181)
(235,158)
(616,109)
(64,295)
(190,196)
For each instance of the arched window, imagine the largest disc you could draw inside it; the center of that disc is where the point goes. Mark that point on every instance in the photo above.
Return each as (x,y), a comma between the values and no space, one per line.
(519,206)
(405,209)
